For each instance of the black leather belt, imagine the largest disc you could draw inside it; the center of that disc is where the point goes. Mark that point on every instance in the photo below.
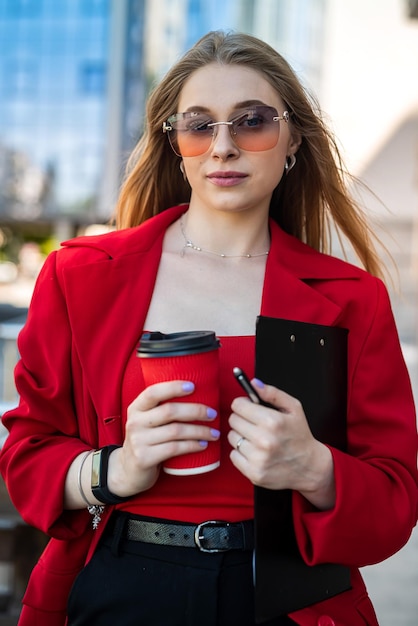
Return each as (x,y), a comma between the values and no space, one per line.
(210,536)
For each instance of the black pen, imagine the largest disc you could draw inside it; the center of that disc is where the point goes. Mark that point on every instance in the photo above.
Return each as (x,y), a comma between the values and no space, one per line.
(244,381)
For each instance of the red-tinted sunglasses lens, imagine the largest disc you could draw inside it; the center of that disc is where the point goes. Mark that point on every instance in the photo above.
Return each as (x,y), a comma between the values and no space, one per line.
(254,129)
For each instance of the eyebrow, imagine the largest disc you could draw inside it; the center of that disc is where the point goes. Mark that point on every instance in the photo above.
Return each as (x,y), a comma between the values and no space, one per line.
(238,105)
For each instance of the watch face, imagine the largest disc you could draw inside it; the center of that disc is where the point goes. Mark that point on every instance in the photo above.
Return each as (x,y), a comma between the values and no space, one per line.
(95,469)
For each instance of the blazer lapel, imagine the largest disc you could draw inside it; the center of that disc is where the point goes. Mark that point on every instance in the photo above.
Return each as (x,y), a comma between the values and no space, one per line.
(292,274)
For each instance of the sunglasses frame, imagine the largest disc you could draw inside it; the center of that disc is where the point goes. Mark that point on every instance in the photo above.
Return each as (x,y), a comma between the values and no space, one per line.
(168,127)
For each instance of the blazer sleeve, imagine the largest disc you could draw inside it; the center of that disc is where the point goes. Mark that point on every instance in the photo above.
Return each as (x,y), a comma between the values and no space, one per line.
(376,480)
(43,429)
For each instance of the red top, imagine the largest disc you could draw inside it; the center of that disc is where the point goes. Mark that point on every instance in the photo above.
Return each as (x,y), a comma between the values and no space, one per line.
(222,494)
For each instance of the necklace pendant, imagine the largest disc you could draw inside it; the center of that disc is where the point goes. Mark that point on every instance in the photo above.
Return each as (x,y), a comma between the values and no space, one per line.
(187,244)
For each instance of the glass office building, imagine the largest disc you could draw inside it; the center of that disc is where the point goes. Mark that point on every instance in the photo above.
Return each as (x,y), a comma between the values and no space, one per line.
(71,94)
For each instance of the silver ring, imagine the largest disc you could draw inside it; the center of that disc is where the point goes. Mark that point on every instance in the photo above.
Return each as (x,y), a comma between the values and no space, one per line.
(239,442)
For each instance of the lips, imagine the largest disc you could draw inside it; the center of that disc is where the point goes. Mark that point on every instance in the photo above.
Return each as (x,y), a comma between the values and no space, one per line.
(226,179)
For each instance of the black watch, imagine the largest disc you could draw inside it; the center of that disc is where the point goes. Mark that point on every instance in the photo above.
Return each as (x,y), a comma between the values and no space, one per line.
(99,469)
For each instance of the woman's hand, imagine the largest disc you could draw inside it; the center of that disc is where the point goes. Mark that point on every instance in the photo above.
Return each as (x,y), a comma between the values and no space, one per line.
(275,449)
(157,430)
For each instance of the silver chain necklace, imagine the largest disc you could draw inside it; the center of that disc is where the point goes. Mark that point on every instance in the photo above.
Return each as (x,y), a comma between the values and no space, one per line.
(188,243)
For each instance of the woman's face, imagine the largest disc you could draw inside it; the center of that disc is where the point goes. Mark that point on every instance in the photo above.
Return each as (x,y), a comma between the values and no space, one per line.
(228,177)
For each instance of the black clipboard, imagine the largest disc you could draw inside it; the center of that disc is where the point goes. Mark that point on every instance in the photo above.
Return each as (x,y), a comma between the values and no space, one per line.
(308,361)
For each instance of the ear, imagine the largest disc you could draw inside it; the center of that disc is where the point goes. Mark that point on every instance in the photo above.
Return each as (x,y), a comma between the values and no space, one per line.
(294,142)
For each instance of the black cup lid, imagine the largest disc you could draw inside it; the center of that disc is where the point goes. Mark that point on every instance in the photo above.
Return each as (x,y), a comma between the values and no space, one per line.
(157,343)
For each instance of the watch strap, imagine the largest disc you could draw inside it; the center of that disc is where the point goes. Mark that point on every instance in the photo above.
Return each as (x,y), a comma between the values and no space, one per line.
(99,470)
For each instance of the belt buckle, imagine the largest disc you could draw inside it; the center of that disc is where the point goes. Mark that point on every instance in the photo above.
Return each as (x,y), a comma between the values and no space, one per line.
(198,535)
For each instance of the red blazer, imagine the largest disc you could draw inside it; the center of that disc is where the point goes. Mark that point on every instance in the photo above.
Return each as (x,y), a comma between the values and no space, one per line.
(86,316)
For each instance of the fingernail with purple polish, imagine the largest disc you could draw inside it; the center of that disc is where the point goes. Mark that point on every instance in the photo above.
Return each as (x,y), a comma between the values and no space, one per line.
(259,383)
(188,386)
(211,413)
(215,432)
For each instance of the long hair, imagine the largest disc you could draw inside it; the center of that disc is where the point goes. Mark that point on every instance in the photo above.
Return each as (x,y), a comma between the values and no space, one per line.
(308,203)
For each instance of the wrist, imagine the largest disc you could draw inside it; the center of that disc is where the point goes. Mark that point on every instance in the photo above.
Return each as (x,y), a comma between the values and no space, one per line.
(127,480)
(100,474)
(117,477)
(321,490)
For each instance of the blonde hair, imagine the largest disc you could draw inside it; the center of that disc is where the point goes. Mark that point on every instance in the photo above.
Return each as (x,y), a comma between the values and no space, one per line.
(306,203)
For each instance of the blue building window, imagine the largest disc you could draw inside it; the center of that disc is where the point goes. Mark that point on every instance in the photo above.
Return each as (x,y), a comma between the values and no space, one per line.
(94,8)
(21,8)
(92,78)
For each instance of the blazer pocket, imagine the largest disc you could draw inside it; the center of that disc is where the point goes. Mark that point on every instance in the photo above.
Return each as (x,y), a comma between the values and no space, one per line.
(49,588)
(54,574)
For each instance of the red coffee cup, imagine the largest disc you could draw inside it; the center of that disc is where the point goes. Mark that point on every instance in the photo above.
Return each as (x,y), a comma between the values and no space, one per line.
(192,356)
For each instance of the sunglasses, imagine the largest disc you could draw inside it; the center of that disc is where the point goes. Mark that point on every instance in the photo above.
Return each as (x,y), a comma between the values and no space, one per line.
(254,129)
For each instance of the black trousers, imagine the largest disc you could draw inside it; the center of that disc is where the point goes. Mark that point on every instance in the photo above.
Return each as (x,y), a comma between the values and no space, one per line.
(131,583)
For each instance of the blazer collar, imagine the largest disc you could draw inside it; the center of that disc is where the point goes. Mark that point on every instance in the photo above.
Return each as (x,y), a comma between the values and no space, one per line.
(292,273)
(306,263)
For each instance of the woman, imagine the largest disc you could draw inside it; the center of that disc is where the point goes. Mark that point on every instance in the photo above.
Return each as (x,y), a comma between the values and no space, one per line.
(231,133)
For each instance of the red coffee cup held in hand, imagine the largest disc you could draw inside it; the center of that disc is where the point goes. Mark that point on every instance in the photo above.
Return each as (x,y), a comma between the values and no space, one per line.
(191,356)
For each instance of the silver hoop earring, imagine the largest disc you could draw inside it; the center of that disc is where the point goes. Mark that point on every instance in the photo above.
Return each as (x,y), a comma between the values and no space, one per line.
(290,163)
(182,170)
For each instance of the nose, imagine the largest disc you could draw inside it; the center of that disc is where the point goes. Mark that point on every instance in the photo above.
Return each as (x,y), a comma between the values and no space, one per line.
(223,145)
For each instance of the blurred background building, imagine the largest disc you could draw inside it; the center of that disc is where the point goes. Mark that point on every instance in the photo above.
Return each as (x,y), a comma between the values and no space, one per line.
(72,88)
(74,77)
